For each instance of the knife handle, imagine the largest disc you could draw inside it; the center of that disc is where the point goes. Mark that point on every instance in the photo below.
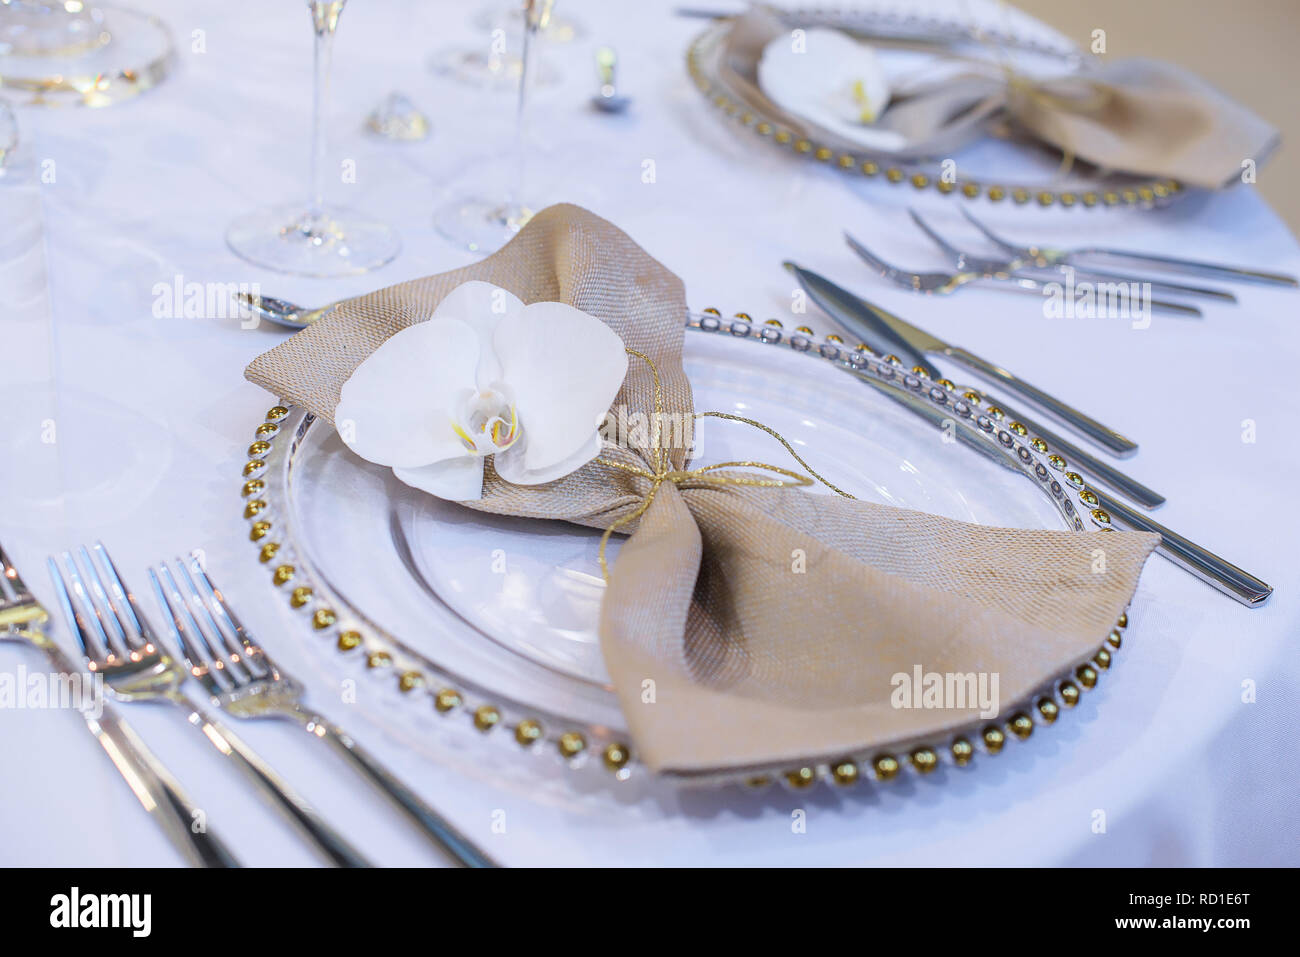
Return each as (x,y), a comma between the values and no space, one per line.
(1204,564)
(1103,435)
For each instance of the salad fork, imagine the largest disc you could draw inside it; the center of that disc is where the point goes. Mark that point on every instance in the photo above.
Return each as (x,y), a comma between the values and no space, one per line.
(120,645)
(1050,256)
(985,265)
(23,618)
(241,679)
(944,284)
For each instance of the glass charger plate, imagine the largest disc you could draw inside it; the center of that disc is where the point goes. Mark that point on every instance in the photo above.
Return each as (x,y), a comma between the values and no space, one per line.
(996,169)
(494,618)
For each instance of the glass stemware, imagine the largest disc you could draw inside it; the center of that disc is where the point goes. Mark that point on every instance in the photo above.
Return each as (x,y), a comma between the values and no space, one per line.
(316,240)
(483,224)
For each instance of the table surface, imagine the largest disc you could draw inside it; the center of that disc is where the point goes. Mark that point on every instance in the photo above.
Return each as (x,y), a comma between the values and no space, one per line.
(128,427)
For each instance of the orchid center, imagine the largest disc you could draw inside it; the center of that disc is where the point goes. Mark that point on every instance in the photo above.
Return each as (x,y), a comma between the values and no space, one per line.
(486,421)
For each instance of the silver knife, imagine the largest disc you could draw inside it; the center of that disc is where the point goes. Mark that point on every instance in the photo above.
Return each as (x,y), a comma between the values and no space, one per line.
(841,303)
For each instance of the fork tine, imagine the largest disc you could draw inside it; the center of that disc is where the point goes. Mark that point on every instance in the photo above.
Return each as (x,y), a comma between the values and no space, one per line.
(953,252)
(124,604)
(219,605)
(91,648)
(993,237)
(185,630)
(874,260)
(120,629)
(10,583)
(237,669)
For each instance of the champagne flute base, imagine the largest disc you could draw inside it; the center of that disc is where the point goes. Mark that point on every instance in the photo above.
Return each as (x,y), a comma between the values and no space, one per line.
(481,225)
(335,242)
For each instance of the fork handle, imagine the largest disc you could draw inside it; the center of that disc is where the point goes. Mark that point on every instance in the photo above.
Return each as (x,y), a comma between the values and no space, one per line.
(1193,267)
(443,833)
(1103,435)
(300,813)
(150,781)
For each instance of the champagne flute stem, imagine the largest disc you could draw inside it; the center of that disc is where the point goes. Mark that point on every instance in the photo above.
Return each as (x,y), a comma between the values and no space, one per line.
(325,20)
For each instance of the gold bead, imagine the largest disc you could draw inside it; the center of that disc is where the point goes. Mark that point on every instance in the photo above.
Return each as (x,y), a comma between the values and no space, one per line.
(1020,194)
(254,508)
(970,190)
(1130,196)
(783,136)
(920,180)
(268,552)
(349,640)
(1021,725)
(894,174)
(893,360)
(1160,190)
(258,448)
(773,322)
(1045,198)
(1048,710)
(380,659)
(803,146)
(300,596)
(252,487)
(846,161)
(1123,620)
(1086,675)
(1102,659)
(869,168)
(527,732)
(1039,445)
(282,575)
(944,186)
(945,383)
(844,773)
(974,398)
(486,717)
(962,752)
(920,372)
(410,680)
(253,465)
(571,744)
(801,778)
(864,348)
(1088,497)
(1067,199)
(1018,428)
(764,129)
(322,618)
(824,153)
(268,428)
(758,781)
(1101,516)
(834,338)
(277,412)
(924,760)
(1146,194)
(616,757)
(1090,199)
(446,700)
(886,766)
(805,330)
(259,531)
(711,311)
(994,412)
(997,194)
(1069,693)
(1056,462)
(994,739)
(744,316)
(1114,639)
(1074,478)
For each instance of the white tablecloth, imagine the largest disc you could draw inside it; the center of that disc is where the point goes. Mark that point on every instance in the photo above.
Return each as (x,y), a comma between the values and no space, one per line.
(123,426)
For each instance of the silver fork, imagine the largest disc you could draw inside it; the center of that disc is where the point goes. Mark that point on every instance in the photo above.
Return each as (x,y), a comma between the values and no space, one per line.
(963,259)
(22,618)
(243,681)
(1049,256)
(119,644)
(945,284)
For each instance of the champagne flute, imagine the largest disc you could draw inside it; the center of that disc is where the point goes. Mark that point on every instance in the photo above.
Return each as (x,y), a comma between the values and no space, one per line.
(483,224)
(316,240)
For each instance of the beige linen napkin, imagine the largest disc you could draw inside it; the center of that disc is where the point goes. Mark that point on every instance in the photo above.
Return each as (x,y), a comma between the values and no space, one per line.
(749,627)
(1134,115)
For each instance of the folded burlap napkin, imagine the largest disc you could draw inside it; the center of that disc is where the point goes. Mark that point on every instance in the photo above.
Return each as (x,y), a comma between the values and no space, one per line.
(1133,115)
(746,627)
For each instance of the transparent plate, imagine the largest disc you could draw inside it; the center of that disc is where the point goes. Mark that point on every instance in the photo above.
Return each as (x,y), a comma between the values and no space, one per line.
(503,611)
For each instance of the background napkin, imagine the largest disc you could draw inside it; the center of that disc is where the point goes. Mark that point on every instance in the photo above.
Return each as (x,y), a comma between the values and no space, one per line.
(746,628)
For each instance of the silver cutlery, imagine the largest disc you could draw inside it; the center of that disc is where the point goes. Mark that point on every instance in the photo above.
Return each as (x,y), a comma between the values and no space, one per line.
(842,304)
(22,618)
(607,98)
(1221,575)
(1049,256)
(962,259)
(945,283)
(240,678)
(120,645)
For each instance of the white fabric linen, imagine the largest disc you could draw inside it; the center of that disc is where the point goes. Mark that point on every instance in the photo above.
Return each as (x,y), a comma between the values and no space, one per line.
(126,426)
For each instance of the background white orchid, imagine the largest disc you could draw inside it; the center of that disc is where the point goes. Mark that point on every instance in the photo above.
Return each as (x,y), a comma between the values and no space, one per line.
(486,375)
(832,80)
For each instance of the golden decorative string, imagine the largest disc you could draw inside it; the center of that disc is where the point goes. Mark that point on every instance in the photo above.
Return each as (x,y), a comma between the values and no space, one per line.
(699,477)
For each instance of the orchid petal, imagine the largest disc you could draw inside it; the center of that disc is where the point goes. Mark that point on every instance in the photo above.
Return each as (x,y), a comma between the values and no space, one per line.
(564,368)
(482,306)
(456,480)
(394,409)
(510,465)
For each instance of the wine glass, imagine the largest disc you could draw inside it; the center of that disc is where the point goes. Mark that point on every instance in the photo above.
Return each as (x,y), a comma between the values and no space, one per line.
(317,239)
(483,224)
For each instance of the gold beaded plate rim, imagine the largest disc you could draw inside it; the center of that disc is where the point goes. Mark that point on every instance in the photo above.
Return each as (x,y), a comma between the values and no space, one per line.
(1123,191)
(264,482)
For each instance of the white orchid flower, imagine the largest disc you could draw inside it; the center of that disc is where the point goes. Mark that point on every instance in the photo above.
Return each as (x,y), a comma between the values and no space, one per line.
(486,375)
(831,80)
